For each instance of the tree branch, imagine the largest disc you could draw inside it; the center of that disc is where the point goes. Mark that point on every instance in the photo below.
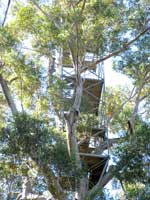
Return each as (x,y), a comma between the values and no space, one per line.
(78,2)
(83,6)
(107,177)
(45,13)
(138,99)
(143,97)
(6,12)
(123,48)
(52,181)
(122,105)
(7,95)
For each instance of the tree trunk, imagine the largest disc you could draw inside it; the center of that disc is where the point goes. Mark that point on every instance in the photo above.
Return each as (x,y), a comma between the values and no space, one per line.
(71,131)
(8,96)
(53,183)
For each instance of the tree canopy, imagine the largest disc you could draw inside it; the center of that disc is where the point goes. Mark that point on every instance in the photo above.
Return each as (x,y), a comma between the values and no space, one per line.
(41,132)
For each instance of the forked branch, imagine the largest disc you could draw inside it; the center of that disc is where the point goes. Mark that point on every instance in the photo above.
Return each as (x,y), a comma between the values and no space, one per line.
(115,53)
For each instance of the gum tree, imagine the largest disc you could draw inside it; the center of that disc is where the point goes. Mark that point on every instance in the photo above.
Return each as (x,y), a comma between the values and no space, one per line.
(38,28)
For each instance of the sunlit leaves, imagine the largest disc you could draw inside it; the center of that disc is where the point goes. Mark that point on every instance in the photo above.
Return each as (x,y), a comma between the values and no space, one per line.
(7,40)
(137,190)
(31,137)
(117,110)
(134,154)
(21,73)
(77,27)
(26,18)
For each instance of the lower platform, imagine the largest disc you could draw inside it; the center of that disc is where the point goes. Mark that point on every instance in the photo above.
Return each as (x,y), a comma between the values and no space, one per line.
(94,166)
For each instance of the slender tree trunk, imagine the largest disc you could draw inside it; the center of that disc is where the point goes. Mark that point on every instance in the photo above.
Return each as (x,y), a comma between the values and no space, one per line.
(8,96)
(137,101)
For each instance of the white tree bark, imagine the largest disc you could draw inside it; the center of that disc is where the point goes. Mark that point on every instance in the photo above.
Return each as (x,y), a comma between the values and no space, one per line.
(8,95)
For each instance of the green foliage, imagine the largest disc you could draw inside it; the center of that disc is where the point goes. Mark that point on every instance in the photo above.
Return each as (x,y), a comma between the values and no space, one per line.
(7,39)
(137,191)
(86,122)
(92,22)
(55,90)
(30,137)
(4,112)
(100,27)
(99,195)
(26,18)
(133,155)
(135,60)
(22,75)
(117,109)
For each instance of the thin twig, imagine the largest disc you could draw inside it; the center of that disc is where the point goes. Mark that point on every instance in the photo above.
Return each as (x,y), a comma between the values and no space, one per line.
(132,95)
(6,12)
(45,14)
(83,6)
